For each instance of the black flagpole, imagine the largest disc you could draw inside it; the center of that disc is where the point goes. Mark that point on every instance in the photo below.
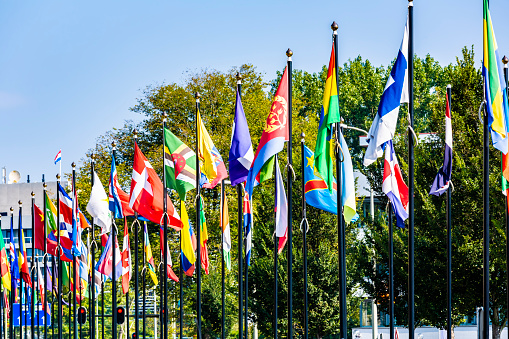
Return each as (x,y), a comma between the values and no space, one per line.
(222,262)
(198,224)
(53,270)
(181,285)
(60,315)
(13,290)
(411,292)
(74,262)
(275,271)
(45,261)
(289,54)
(136,278)
(505,60)
(340,219)
(92,254)
(32,269)
(102,309)
(449,246)
(165,247)
(21,301)
(246,328)
(240,199)
(113,267)
(144,291)
(304,235)
(391,275)
(36,292)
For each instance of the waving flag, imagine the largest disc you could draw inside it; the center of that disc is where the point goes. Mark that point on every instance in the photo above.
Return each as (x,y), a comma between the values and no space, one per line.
(188,243)
(443,178)
(58,157)
(248,225)
(224,223)
(204,236)
(114,202)
(324,150)
(66,225)
(98,206)
(4,265)
(211,163)
(394,186)
(281,210)
(105,263)
(76,229)
(494,86)
(169,268)
(241,150)
(147,193)
(148,255)
(23,263)
(273,137)
(179,165)
(395,93)
(126,260)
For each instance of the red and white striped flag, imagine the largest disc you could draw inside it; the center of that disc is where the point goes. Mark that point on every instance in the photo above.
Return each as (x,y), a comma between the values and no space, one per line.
(126,260)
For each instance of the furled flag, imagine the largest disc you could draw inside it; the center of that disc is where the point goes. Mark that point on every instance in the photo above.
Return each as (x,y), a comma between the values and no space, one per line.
(187,242)
(126,260)
(146,196)
(248,226)
(348,192)
(274,135)
(204,237)
(179,165)
(4,265)
(169,262)
(224,223)
(58,157)
(329,114)
(211,163)
(40,284)
(281,211)
(395,93)
(394,186)
(76,229)
(241,150)
(443,178)
(98,206)
(148,254)
(105,263)
(494,86)
(23,263)
(118,199)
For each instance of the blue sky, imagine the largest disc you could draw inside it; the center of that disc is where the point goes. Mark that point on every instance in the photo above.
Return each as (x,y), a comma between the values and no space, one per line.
(70,70)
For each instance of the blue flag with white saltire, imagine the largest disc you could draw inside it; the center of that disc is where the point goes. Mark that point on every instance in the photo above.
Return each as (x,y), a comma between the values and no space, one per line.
(241,150)
(395,93)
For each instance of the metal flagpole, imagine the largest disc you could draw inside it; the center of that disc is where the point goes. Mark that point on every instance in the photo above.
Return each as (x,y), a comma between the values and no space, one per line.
(223,311)
(391,276)
(21,300)
(45,259)
(60,273)
(275,273)
(102,310)
(505,60)
(165,240)
(92,254)
(136,277)
(53,270)
(74,262)
(340,219)
(246,328)
(240,199)
(289,54)
(449,246)
(411,291)
(144,290)
(198,224)
(32,269)
(37,301)
(181,284)
(13,291)
(114,267)
(304,235)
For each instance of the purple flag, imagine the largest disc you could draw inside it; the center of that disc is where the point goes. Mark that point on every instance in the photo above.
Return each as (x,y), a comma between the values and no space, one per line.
(241,150)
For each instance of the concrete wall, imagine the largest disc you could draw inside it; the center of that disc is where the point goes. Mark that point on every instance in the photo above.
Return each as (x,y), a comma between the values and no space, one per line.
(460,332)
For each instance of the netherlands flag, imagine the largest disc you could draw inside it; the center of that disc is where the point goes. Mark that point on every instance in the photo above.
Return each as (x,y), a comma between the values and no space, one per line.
(58,157)
(394,186)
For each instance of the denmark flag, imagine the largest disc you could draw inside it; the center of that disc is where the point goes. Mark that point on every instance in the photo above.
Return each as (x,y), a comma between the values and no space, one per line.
(146,196)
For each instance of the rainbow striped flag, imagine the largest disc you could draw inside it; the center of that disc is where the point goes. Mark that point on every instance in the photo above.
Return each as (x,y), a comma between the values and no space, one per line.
(324,150)
(494,86)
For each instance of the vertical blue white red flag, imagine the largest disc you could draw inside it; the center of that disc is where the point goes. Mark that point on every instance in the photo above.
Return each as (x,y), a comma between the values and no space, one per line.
(248,226)
(281,210)
(241,150)
(105,263)
(394,186)
(443,178)
(395,93)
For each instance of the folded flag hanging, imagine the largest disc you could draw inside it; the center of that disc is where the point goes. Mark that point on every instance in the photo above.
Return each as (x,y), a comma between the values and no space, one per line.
(281,210)
(394,186)
(105,263)
(126,260)
(4,265)
(169,268)
(148,255)
(188,243)
(224,223)
(118,199)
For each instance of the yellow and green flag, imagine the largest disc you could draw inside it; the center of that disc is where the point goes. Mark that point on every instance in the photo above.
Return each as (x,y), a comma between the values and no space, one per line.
(5,269)
(148,254)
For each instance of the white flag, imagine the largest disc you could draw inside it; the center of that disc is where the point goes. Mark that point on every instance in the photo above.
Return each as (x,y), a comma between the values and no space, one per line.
(98,206)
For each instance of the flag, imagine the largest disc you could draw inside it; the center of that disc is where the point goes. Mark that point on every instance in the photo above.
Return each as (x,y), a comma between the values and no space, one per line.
(274,135)
(315,188)
(76,233)
(224,223)
(329,114)
(4,265)
(395,93)
(241,150)
(42,291)
(146,196)
(105,263)
(148,255)
(348,192)
(23,263)
(495,92)
(118,199)
(98,206)
(169,262)
(281,210)
(394,186)
(211,163)
(58,157)
(248,222)
(204,236)
(66,223)
(179,165)
(51,243)
(188,243)
(126,260)
(51,215)
(443,178)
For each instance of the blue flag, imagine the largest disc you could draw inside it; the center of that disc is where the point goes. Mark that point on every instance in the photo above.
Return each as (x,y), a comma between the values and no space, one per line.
(241,150)
(115,205)
(14,260)
(315,188)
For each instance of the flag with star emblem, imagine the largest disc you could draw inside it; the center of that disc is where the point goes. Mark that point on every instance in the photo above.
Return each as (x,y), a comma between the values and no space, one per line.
(179,165)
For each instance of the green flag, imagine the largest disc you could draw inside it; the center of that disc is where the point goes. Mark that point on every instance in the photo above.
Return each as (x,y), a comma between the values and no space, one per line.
(51,214)
(179,165)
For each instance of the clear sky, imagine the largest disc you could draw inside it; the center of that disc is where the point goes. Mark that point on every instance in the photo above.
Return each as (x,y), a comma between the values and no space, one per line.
(70,70)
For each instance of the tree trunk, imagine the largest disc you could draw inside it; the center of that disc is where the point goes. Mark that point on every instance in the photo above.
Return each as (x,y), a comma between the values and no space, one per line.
(496,327)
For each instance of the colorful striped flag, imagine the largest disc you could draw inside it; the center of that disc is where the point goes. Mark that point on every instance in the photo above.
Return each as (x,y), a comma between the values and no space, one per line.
(4,265)
(204,237)
(394,186)
(281,210)
(224,223)
(58,157)
(248,225)
(148,255)
(13,257)
(188,243)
